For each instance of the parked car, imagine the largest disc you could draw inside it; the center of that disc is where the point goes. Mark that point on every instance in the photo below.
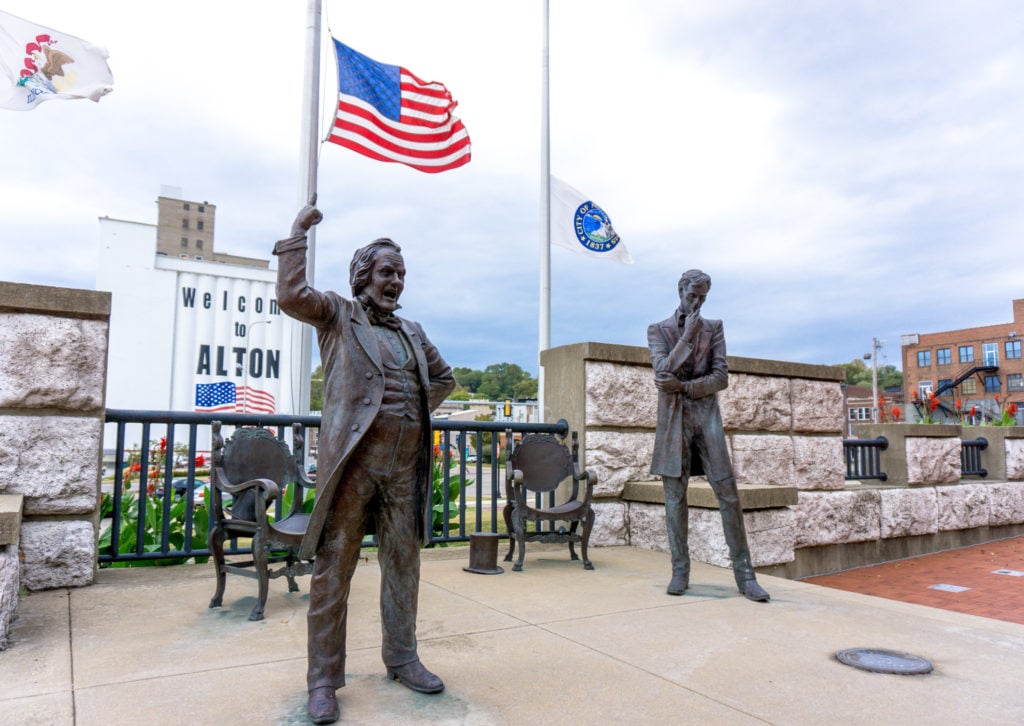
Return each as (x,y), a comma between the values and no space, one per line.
(180,487)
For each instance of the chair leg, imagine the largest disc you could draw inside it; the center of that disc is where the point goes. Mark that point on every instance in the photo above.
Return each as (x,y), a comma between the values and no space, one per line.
(572,549)
(216,541)
(507,514)
(520,533)
(290,571)
(588,524)
(259,557)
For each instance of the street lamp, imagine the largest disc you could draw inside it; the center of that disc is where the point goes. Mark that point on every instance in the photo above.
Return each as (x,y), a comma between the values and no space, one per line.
(873,355)
(248,357)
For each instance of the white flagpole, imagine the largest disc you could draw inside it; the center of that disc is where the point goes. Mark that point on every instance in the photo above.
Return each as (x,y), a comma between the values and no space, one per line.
(309,144)
(544,341)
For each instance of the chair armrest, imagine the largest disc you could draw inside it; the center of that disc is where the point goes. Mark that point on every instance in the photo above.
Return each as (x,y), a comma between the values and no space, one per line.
(589,478)
(303,479)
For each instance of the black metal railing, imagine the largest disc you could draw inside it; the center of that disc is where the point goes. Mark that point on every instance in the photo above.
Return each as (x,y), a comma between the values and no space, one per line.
(970,457)
(863,458)
(143,518)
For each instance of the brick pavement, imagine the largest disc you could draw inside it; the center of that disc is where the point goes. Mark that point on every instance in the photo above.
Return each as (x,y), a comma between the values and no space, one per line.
(985,580)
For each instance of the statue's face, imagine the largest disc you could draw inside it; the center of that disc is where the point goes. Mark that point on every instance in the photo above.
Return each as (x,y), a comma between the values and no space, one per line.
(387,280)
(691,298)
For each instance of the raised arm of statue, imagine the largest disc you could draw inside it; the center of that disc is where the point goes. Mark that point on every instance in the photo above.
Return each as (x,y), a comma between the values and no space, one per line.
(294,293)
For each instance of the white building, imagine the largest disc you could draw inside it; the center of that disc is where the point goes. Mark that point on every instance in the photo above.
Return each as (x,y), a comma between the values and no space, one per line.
(190,335)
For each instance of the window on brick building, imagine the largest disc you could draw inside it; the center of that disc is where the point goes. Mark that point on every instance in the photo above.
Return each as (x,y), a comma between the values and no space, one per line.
(924,388)
(992,384)
(184,241)
(946,386)
(184,223)
(1014,382)
(1013,349)
(943,356)
(966,353)
(990,354)
(968,387)
(924,359)
(199,224)
(199,244)
(186,206)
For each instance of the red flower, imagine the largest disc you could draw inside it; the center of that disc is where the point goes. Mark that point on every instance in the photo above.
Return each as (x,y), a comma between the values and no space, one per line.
(135,467)
(997,398)
(1012,409)
(200,460)
(895,414)
(933,404)
(959,404)
(163,444)
(973,411)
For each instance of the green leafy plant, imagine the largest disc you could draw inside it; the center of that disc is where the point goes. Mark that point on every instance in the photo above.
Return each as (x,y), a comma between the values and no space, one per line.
(152,529)
(437,496)
(1007,413)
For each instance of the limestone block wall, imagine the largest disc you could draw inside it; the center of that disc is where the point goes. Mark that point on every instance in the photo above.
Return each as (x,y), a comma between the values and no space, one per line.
(783,421)
(784,427)
(53,355)
(889,513)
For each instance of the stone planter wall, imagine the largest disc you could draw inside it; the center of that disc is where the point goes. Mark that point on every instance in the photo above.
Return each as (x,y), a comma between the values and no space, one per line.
(783,424)
(784,427)
(1004,457)
(53,355)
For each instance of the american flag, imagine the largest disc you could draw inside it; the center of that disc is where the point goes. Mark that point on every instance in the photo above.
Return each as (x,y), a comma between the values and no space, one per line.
(388,114)
(226,396)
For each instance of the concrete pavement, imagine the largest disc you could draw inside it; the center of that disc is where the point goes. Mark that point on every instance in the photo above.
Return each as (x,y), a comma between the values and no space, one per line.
(551,644)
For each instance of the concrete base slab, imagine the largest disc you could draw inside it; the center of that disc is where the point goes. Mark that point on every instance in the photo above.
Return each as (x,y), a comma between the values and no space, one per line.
(553,641)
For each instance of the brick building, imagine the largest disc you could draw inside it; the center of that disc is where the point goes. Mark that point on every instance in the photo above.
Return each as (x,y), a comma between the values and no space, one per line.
(971,365)
(184,229)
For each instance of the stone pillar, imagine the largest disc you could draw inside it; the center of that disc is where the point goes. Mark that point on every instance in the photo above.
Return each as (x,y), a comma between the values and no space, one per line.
(10,572)
(918,454)
(53,361)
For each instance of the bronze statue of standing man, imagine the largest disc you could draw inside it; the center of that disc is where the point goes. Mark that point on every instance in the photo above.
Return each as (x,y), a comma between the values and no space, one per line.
(382,378)
(688,356)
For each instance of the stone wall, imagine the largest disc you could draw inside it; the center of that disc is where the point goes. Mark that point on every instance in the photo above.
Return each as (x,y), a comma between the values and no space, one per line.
(10,571)
(784,426)
(53,354)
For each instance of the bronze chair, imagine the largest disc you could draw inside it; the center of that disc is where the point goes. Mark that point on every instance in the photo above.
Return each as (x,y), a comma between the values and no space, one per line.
(255,468)
(538,464)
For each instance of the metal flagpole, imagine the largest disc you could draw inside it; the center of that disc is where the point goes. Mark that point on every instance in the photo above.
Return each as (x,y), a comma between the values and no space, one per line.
(309,146)
(544,341)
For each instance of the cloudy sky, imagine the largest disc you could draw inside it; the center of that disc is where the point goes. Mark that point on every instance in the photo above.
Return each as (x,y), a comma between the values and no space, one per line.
(843,171)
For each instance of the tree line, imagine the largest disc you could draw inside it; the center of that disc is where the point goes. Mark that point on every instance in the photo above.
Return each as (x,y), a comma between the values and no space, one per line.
(496,382)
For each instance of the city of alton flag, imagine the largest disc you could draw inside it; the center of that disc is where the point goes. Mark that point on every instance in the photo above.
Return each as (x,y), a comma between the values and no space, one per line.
(39,64)
(578,224)
(387,113)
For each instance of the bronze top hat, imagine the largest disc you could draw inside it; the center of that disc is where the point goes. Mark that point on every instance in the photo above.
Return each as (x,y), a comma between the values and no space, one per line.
(483,554)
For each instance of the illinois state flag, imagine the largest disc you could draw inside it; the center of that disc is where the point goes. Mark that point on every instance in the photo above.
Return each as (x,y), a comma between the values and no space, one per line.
(39,64)
(387,113)
(578,224)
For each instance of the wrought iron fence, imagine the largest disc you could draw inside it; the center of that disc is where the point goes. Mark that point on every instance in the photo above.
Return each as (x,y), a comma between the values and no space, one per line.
(863,458)
(153,506)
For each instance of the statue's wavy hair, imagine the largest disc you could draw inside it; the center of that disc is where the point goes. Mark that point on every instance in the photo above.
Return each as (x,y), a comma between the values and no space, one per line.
(362,262)
(694,277)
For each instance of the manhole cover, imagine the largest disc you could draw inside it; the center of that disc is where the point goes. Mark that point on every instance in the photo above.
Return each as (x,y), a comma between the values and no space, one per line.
(878,660)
